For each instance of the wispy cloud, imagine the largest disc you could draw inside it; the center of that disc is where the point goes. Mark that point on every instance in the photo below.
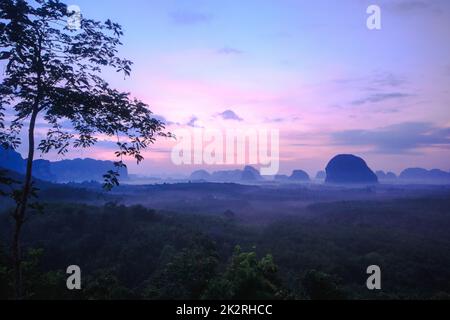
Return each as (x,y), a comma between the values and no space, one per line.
(399,138)
(416,7)
(275,120)
(229,51)
(411,5)
(182,17)
(379,97)
(374,81)
(193,122)
(387,79)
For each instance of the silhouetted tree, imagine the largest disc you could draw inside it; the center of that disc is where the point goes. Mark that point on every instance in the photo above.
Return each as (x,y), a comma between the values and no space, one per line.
(53,74)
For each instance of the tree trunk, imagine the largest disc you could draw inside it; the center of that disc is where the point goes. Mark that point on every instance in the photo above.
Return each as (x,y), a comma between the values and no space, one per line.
(19,213)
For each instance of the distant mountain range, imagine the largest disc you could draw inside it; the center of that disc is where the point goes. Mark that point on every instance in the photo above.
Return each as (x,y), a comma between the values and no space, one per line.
(385,176)
(76,170)
(420,174)
(296,176)
(341,169)
(249,174)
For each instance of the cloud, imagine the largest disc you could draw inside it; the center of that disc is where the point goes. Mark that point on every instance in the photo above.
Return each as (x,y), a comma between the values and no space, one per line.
(193,122)
(375,81)
(417,6)
(189,17)
(387,79)
(230,115)
(375,87)
(275,120)
(379,97)
(411,5)
(281,119)
(229,51)
(397,139)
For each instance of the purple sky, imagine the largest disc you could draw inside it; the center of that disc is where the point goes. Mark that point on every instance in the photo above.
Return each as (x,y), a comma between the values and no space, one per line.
(310,69)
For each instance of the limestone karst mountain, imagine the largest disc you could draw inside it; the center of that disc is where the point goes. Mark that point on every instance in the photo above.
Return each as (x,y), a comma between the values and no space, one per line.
(348,168)
(299,175)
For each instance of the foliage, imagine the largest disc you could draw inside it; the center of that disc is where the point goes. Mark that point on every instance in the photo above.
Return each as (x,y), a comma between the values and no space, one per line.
(54,71)
(246,278)
(104,285)
(185,276)
(134,252)
(53,75)
(321,286)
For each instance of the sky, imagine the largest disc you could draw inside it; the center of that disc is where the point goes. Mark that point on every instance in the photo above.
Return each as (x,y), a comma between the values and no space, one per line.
(310,69)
